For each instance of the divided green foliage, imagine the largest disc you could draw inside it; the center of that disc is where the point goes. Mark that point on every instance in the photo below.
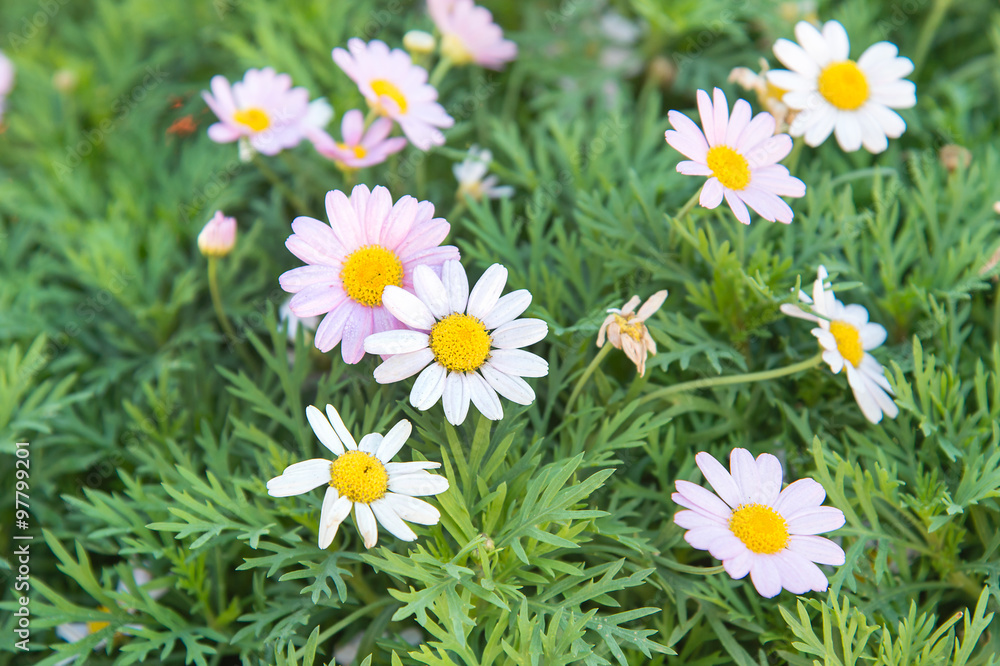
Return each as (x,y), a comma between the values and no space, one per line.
(153,433)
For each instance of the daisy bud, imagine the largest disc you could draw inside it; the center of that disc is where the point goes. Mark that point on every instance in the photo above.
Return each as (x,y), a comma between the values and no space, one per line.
(626,329)
(419,43)
(953,156)
(218,236)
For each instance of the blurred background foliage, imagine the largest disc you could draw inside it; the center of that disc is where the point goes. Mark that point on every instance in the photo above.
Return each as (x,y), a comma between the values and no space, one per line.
(151,438)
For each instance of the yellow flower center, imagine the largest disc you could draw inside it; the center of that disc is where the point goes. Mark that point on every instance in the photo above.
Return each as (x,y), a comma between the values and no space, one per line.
(772,91)
(453,49)
(634,330)
(760,528)
(359,151)
(367,271)
(460,343)
(384,88)
(254,118)
(359,476)
(729,167)
(844,85)
(848,342)
(94,627)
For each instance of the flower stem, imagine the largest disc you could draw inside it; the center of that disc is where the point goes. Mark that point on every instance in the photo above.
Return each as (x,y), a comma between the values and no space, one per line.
(220,313)
(686,208)
(927,33)
(996,316)
(444,64)
(276,180)
(793,158)
(587,373)
(733,379)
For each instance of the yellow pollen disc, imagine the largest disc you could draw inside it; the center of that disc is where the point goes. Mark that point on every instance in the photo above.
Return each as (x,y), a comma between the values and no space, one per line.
(254,118)
(729,167)
(844,85)
(359,151)
(774,92)
(460,343)
(848,342)
(381,88)
(367,271)
(760,528)
(94,627)
(453,49)
(634,330)
(359,476)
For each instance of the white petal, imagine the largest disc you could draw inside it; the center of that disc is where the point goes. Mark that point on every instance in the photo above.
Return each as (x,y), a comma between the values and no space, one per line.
(511,387)
(385,515)
(519,362)
(507,309)
(396,342)
(484,397)
(323,430)
(455,398)
(428,388)
(431,291)
(872,336)
(400,469)
(300,478)
(719,478)
(394,441)
(486,293)
(71,632)
(338,425)
(407,308)
(367,526)
(457,283)
(423,483)
(519,333)
(412,509)
(335,509)
(370,443)
(401,366)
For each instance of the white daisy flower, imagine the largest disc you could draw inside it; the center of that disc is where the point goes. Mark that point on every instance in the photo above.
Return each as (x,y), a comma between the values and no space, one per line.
(847,336)
(466,343)
(835,94)
(472,179)
(361,476)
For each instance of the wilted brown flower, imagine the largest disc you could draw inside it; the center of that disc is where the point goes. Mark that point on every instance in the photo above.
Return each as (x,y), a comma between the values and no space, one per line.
(626,329)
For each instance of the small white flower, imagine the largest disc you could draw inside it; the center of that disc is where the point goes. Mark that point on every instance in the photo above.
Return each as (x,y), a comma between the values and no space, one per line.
(466,343)
(470,172)
(847,336)
(835,94)
(362,477)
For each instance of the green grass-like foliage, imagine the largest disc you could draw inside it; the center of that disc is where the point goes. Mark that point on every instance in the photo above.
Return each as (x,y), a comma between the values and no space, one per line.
(152,435)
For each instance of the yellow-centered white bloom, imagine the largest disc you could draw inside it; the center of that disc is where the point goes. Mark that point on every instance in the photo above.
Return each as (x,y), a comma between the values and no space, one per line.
(847,336)
(833,93)
(361,476)
(626,329)
(466,343)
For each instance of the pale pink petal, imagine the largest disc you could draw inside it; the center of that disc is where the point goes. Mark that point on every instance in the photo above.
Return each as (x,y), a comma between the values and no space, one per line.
(817,549)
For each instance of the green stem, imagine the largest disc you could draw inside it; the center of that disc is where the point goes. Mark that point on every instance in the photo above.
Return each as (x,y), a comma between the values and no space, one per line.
(996,316)
(587,373)
(927,33)
(733,379)
(793,158)
(370,117)
(220,313)
(686,208)
(444,64)
(457,209)
(269,173)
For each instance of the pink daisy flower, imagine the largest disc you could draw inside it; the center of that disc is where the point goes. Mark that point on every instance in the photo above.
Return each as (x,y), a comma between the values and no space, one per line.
(396,88)
(6,80)
(360,148)
(740,157)
(468,34)
(369,244)
(758,528)
(265,109)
